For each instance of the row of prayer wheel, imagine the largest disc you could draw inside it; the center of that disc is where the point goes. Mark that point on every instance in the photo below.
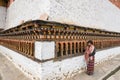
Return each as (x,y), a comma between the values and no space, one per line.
(24,47)
(70,40)
(73,48)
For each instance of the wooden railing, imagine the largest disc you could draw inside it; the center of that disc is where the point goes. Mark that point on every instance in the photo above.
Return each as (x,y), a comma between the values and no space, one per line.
(70,40)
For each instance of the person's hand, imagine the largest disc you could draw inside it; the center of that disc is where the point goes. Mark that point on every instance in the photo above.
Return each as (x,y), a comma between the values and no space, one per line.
(91,58)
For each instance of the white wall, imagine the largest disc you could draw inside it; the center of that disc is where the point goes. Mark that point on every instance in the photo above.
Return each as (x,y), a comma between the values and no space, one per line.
(2,16)
(44,50)
(26,10)
(53,70)
(92,13)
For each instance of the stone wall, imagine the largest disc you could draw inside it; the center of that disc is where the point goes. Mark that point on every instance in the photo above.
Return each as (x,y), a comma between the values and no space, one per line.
(90,13)
(2,16)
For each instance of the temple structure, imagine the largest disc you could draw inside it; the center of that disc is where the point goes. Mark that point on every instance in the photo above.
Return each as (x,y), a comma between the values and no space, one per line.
(45,38)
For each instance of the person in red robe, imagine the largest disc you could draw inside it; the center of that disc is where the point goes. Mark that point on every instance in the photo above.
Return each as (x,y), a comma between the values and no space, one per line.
(89,57)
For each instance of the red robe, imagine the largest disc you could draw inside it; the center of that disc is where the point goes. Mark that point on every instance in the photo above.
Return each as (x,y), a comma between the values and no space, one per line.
(88,51)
